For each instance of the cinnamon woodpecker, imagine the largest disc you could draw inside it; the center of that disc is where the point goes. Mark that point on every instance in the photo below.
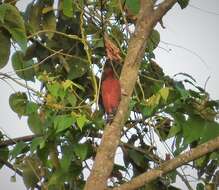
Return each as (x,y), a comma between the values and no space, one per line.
(110,91)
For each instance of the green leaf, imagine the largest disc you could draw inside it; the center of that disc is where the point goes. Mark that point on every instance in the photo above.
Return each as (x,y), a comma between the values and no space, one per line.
(49,23)
(32,107)
(178,125)
(81,150)
(211,131)
(18,103)
(23,68)
(4,153)
(147,111)
(19,147)
(47,9)
(63,122)
(12,21)
(68,8)
(81,121)
(76,169)
(68,155)
(30,177)
(72,100)
(183,3)
(55,89)
(153,41)
(133,6)
(174,130)
(153,101)
(182,91)
(98,43)
(3,10)
(193,129)
(56,180)
(37,142)
(5,46)
(35,124)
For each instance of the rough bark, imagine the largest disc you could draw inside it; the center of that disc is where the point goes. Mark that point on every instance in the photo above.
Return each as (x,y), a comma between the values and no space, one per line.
(170,165)
(104,160)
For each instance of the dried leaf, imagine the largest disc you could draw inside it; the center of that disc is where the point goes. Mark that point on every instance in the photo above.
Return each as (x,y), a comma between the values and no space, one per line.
(113,52)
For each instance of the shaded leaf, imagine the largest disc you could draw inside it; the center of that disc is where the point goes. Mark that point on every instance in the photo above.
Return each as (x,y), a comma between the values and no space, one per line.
(137,158)
(5,46)
(12,21)
(18,103)
(200,186)
(35,124)
(34,17)
(23,68)
(77,68)
(4,153)
(19,147)
(81,150)
(68,155)
(30,172)
(153,41)
(183,3)
(56,179)
(49,23)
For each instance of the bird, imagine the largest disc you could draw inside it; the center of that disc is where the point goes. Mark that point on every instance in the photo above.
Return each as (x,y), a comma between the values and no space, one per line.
(110,91)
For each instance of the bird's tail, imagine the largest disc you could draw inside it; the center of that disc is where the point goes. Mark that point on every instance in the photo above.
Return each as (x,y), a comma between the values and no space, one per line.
(110,117)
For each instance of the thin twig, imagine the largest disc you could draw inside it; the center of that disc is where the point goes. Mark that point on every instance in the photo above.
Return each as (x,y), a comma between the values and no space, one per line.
(17,171)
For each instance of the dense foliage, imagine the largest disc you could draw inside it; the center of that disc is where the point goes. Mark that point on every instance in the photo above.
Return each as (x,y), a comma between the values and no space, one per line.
(64,45)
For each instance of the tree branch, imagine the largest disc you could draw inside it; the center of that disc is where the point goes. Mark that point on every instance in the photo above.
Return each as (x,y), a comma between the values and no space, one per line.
(170,165)
(104,160)
(16,140)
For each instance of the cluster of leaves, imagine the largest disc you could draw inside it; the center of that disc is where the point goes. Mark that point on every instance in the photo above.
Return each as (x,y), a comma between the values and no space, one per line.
(61,44)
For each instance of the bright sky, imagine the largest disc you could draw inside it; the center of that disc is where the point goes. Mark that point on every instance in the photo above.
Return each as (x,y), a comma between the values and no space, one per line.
(194,30)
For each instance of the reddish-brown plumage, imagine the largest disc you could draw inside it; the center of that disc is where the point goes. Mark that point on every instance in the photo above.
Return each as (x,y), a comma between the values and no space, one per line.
(110,91)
